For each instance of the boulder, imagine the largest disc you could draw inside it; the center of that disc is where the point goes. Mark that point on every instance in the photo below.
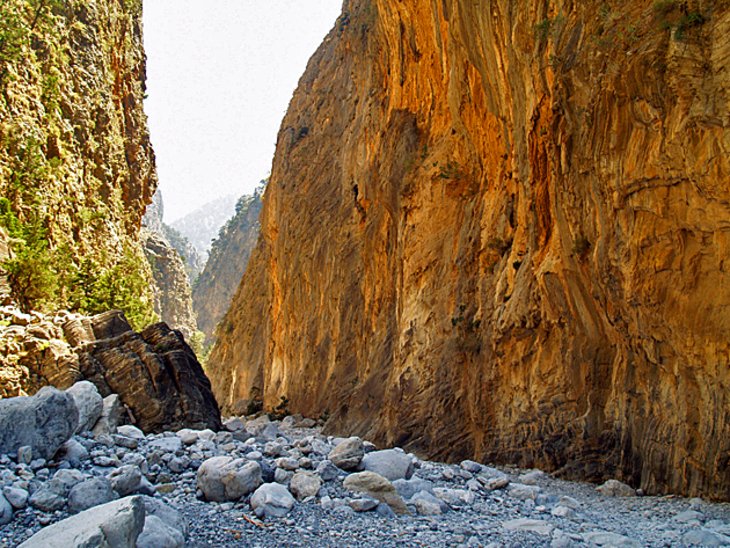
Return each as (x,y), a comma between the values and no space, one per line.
(126,479)
(615,488)
(6,511)
(155,372)
(348,454)
(377,487)
(408,488)
(89,403)
(305,484)
(428,505)
(89,493)
(392,464)
(224,478)
(158,534)
(18,498)
(49,497)
(43,422)
(116,524)
(112,415)
(272,500)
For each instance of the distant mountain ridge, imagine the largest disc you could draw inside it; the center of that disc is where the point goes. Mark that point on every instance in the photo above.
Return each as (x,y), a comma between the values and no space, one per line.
(201,226)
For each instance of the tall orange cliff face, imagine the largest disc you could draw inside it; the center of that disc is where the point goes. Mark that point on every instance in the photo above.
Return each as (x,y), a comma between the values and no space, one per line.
(501,232)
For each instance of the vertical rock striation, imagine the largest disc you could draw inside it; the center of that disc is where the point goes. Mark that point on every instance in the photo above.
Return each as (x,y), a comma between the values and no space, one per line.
(500,230)
(76,165)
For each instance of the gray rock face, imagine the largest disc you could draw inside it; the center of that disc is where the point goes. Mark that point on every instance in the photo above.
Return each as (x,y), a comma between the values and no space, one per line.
(614,488)
(389,463)
(348,454)
(272,500)
(89,493)
(305,484)
(223,478)
(112,415)
(116,524)
(43,422)
(89,403)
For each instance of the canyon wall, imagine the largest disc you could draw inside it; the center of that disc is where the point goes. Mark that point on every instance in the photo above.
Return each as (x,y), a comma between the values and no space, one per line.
(76,166)
(500,230)
(229,254)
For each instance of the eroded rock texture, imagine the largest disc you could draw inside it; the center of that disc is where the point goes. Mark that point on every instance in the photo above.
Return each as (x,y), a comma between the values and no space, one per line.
(76,165)
(154,372)
(500,230)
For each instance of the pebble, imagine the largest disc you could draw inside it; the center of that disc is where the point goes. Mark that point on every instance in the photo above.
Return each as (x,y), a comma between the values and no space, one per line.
(468,504)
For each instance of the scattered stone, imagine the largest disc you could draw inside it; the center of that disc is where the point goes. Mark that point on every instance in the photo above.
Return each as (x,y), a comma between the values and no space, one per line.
(49,497)
(408,487)
(705,537)
(287,463)
(116,524)
(6,510)
(689,516)
(224,478)
(602,538)
(25,454)
(305,484)
(493,483)
(43,422)
(428,505)
(89,493)
(454,497)
(172,444)
(126,479)
(89,403)
(130,431)
(272,500)
(563,512)
(378,487)
(327,471)
(187,436)
(363,505)
(124,441)
(531,478)
(18,498)
(471,466)
(524,492)
(157,534)
(614,488)
(392,464)
(348,454)
(531,525)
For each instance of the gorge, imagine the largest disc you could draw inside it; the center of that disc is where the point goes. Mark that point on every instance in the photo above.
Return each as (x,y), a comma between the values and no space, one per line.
(493,232)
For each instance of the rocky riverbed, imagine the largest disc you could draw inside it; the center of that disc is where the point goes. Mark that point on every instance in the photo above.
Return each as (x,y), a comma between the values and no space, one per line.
(263,483)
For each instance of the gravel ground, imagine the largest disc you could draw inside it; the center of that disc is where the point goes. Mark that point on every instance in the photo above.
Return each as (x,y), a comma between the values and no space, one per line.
(534,509)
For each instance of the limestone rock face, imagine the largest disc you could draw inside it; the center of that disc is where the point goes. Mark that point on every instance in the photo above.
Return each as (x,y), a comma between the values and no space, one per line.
(229,254)
(76,165)
(154,372)
(173,299)
(499,231)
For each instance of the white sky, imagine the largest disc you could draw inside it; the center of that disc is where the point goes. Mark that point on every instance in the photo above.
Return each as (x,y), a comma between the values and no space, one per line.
(220,74)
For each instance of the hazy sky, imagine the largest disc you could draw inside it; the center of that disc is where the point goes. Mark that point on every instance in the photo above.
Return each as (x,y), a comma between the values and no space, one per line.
(220,74)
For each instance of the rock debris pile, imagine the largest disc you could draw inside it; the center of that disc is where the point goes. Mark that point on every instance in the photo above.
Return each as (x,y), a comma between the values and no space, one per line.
(259,482)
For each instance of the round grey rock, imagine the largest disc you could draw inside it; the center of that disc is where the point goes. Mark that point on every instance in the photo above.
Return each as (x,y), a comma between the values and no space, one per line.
(89,493)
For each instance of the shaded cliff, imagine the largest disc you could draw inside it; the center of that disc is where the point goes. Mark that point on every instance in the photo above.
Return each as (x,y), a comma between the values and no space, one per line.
(229,254)
(173,300)
(76,166)
(500,231)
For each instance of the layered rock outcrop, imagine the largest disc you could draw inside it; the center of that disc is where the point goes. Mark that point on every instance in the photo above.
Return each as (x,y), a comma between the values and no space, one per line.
(76,165)
(214,289)
(155,372)
(500,230)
